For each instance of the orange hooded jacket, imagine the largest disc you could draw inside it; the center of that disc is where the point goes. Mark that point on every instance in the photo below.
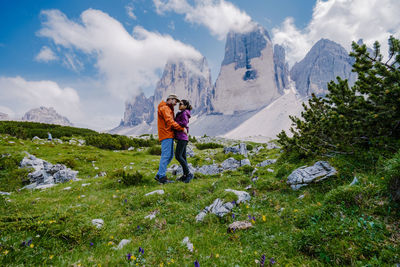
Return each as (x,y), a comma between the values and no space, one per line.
(166,123)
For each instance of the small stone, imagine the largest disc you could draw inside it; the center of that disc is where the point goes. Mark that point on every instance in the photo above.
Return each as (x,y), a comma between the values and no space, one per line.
(122,243)
(301,197)
(239,225)
(98,223)
(67,188)
(355,181)
(160,192)
(242,196)
(188,244)
(5,193)
(266,162)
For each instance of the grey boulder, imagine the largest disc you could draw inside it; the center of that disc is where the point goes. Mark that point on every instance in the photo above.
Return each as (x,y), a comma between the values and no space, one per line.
(303,176)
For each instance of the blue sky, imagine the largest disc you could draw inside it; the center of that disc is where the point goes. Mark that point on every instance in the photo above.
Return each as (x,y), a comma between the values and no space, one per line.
(50,56)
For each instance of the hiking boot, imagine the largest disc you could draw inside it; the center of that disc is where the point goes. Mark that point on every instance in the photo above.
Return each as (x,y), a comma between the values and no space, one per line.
(188,178)
(182,178)
(164,180)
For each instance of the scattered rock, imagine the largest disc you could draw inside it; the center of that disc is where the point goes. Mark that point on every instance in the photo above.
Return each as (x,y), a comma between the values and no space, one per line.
(270,170)
(209,169)
(272,146)
(98,223)
(186,242)
(83,185)
(306,175)
(152,215)
(130,149)
(239,225)
(189,152)
(301,197)
(5,193)
(67,188)
(266,162)
(355,181)
(237,149)
(230,164)
(256,150)
(245,162)
(218,207)
(36,138)
(160,192)
(242,196)
(46,174)
(122,243)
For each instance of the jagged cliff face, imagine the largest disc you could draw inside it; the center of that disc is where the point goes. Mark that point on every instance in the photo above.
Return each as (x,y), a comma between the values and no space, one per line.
(323,63)
(140,110)
(247,77)
(46,115)
(188,79)
(281,68)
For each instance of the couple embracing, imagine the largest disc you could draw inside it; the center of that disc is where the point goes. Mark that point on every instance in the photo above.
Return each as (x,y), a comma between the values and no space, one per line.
(170,127)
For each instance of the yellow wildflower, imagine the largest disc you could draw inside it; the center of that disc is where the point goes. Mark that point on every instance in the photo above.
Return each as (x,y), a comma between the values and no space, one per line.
(264,218)
(295,210)
(5,252)
(161,264)
(32,245)
(217,255)
(51,257)
(110,243)
(172,261)
(319,203)
(247,206)
(383,178)
(111,237)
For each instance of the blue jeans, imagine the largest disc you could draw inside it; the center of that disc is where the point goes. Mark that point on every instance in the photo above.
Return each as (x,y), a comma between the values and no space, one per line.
(167,154)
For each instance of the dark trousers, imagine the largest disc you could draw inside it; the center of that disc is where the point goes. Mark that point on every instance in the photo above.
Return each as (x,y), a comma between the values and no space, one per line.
(180,155)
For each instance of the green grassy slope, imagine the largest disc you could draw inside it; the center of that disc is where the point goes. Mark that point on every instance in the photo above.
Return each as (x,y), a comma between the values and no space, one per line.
(333,224)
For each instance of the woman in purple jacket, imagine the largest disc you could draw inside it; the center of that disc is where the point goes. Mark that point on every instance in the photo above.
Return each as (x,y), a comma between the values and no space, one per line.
(182,118)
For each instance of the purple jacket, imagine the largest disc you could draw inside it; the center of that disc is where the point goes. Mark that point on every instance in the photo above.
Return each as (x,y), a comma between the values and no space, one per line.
(182,118)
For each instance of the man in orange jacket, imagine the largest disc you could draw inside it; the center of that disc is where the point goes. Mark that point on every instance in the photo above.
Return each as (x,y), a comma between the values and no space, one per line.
(166,126)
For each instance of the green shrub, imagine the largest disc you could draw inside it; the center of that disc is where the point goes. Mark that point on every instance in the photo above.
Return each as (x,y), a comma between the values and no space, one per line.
(132,178)
(246,169)
(202,146)
(154,150)
(192,139)
(392,172)
(249,147)
(284,170)
(69,162)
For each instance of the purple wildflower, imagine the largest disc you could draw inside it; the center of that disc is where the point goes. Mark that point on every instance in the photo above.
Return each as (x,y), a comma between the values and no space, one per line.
(138,227)
(196,264)
(249,217)
(254,218)
(29,242)
(234,202)
(141,250)
(91,244)
(272,261)
(23,243)
(233,216)
(128,256)
(262,261)
(125,200)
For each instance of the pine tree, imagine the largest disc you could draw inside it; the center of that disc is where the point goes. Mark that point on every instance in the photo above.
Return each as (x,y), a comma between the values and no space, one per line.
(348,119)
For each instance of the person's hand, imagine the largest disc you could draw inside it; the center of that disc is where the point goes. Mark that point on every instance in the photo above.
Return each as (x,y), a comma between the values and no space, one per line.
(185,131)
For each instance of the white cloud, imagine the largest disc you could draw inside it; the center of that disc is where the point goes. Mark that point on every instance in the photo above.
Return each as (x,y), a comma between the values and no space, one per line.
(20,95)
(342,21)
(129,10)
(46,55)
(126,62)
(219,16)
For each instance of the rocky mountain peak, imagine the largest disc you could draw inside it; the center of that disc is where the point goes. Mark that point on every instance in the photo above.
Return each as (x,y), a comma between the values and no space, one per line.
(46,115)
(137,111)
(189,79)
(247,77)
(323,63)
